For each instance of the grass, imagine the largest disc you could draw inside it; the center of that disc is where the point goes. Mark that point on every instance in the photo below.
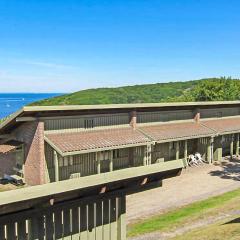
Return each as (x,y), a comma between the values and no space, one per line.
(224,230)
(180,216)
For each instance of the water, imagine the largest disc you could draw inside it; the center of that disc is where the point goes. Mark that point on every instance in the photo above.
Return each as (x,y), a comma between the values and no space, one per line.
(11,102)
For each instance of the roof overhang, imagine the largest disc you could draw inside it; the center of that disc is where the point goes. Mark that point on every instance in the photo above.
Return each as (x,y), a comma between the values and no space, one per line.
(36,112)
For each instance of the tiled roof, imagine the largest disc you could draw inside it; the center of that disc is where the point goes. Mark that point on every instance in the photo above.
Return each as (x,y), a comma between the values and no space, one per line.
(96,139)
(9,146)
(171,131)
(223,125)
(91,140)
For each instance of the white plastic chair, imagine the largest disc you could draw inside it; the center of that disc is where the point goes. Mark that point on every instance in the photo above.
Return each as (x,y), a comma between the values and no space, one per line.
(199,158)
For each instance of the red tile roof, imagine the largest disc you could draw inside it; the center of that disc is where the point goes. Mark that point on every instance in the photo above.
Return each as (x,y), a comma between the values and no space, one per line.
(171,131)
(9,146)
(117,137)
(223,125)
(95,139)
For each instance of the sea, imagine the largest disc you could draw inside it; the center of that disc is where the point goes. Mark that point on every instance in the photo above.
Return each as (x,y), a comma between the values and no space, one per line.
(11,102)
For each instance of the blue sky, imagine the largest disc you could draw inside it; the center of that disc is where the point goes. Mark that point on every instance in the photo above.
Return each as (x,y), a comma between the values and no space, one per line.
(65,46)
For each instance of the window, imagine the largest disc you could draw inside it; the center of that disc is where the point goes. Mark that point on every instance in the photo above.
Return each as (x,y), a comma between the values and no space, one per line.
(88,123)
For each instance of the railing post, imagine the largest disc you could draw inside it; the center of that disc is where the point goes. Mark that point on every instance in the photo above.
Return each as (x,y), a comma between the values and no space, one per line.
(56,166)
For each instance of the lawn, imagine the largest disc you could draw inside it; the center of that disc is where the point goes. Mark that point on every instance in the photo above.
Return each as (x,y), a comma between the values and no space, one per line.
(223,230)
(187,214)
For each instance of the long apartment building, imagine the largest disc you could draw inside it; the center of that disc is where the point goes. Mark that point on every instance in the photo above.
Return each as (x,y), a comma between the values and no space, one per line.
(54,143)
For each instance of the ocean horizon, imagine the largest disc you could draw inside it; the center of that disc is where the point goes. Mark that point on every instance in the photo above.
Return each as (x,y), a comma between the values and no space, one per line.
(11,102)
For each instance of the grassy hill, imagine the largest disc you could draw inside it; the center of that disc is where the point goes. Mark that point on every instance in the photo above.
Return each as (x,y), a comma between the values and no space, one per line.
(197,90)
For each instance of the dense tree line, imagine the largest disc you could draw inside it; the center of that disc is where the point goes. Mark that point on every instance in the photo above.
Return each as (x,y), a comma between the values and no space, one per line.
(213,89)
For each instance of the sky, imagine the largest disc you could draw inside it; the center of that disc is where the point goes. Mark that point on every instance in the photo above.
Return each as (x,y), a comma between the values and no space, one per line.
(67,45)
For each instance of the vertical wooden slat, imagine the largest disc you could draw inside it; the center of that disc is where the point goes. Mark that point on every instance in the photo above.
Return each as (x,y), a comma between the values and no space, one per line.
(21,230)
(66,222)
(113,219)
(106,219)
(58,222)
(34,228)
(99,220)
(91,222)
(2,231)
(11,231)
(83,222)
(121,221)
(75,223)
(50,228)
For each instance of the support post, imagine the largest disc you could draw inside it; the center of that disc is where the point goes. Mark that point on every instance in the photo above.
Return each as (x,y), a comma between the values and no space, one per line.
(210,150)
(111,161)
(177,150)
(231,146)
(185,152)
(98,163)
(237,144)
(149,154)
(145,156)
(56,166)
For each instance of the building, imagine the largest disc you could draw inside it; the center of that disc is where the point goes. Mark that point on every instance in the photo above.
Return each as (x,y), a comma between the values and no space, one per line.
(53,143)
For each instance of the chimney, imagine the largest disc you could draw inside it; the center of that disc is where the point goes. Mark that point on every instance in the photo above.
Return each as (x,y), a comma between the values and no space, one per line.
(133,119)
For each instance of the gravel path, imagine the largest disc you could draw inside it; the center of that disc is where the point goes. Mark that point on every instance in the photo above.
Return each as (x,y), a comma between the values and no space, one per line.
(194,184)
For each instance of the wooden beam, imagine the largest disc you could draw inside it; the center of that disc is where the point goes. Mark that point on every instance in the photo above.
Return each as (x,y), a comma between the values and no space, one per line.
(76,184)
(25,119)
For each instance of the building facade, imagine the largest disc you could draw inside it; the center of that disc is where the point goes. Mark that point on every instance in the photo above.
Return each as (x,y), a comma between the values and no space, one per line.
(55,143)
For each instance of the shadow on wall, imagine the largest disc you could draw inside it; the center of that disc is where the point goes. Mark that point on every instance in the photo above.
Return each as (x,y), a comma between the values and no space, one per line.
(230,169)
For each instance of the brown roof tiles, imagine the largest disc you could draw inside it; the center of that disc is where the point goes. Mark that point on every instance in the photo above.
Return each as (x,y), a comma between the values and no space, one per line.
(171,131)
(9,146)
(223,125)
(95,139)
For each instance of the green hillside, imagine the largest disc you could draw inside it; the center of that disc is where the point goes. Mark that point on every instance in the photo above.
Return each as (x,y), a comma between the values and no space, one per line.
(212,89)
